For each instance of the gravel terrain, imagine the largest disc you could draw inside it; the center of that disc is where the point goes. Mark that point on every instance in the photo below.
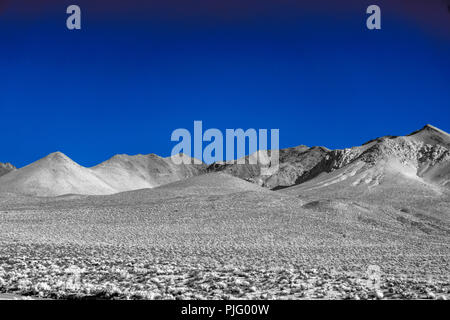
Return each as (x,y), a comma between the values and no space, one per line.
(218,237)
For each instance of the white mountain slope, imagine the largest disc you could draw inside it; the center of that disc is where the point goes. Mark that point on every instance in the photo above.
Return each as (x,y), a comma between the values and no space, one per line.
(54,175)
(419,162)
(57,175)
(124,172)
(210,185)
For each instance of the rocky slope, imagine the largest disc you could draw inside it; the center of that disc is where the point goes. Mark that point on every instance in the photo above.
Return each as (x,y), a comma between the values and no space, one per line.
(423,155)
(402,167)
(294,163)
(6,168)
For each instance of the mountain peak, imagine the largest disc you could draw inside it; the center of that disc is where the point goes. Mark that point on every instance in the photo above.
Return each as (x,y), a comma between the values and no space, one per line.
(433,128)
(429,128)
(57,156)
(186,158)
(431,135)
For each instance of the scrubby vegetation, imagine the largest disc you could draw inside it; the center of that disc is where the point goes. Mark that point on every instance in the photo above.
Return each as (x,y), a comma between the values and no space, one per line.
(172,244)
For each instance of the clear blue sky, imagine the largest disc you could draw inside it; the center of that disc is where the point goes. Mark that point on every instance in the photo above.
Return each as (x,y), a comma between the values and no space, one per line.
(140,69)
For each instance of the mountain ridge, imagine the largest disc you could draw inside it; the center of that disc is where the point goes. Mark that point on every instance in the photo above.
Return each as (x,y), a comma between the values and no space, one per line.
(297,168)
(420,159)
(423,155)
(56,174)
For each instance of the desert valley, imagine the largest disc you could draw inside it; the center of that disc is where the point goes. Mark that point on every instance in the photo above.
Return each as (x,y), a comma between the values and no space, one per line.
(141,227)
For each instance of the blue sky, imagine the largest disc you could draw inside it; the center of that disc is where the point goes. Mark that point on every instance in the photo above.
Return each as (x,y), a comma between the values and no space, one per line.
(138,71)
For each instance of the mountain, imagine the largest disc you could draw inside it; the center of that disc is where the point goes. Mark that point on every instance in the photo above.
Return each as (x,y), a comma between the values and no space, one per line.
(294,163)
(420,160)
(405,166)
(57,175)
(422,155)
(6,168)
(124,172)
(54,175)
(210,185)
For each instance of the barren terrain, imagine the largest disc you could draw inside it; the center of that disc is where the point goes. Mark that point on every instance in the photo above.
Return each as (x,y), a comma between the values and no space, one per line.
(369,222)
(216,236)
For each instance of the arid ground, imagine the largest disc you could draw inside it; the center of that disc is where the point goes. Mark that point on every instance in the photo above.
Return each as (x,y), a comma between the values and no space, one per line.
(368,222)
(218,237)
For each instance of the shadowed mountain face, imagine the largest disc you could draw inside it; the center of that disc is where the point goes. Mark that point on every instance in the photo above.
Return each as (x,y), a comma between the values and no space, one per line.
(294,163)
(6,168)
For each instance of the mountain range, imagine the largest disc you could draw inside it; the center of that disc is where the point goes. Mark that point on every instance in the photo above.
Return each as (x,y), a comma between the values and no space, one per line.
(57,174)
(422,155)
(314,227)
(420,159)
